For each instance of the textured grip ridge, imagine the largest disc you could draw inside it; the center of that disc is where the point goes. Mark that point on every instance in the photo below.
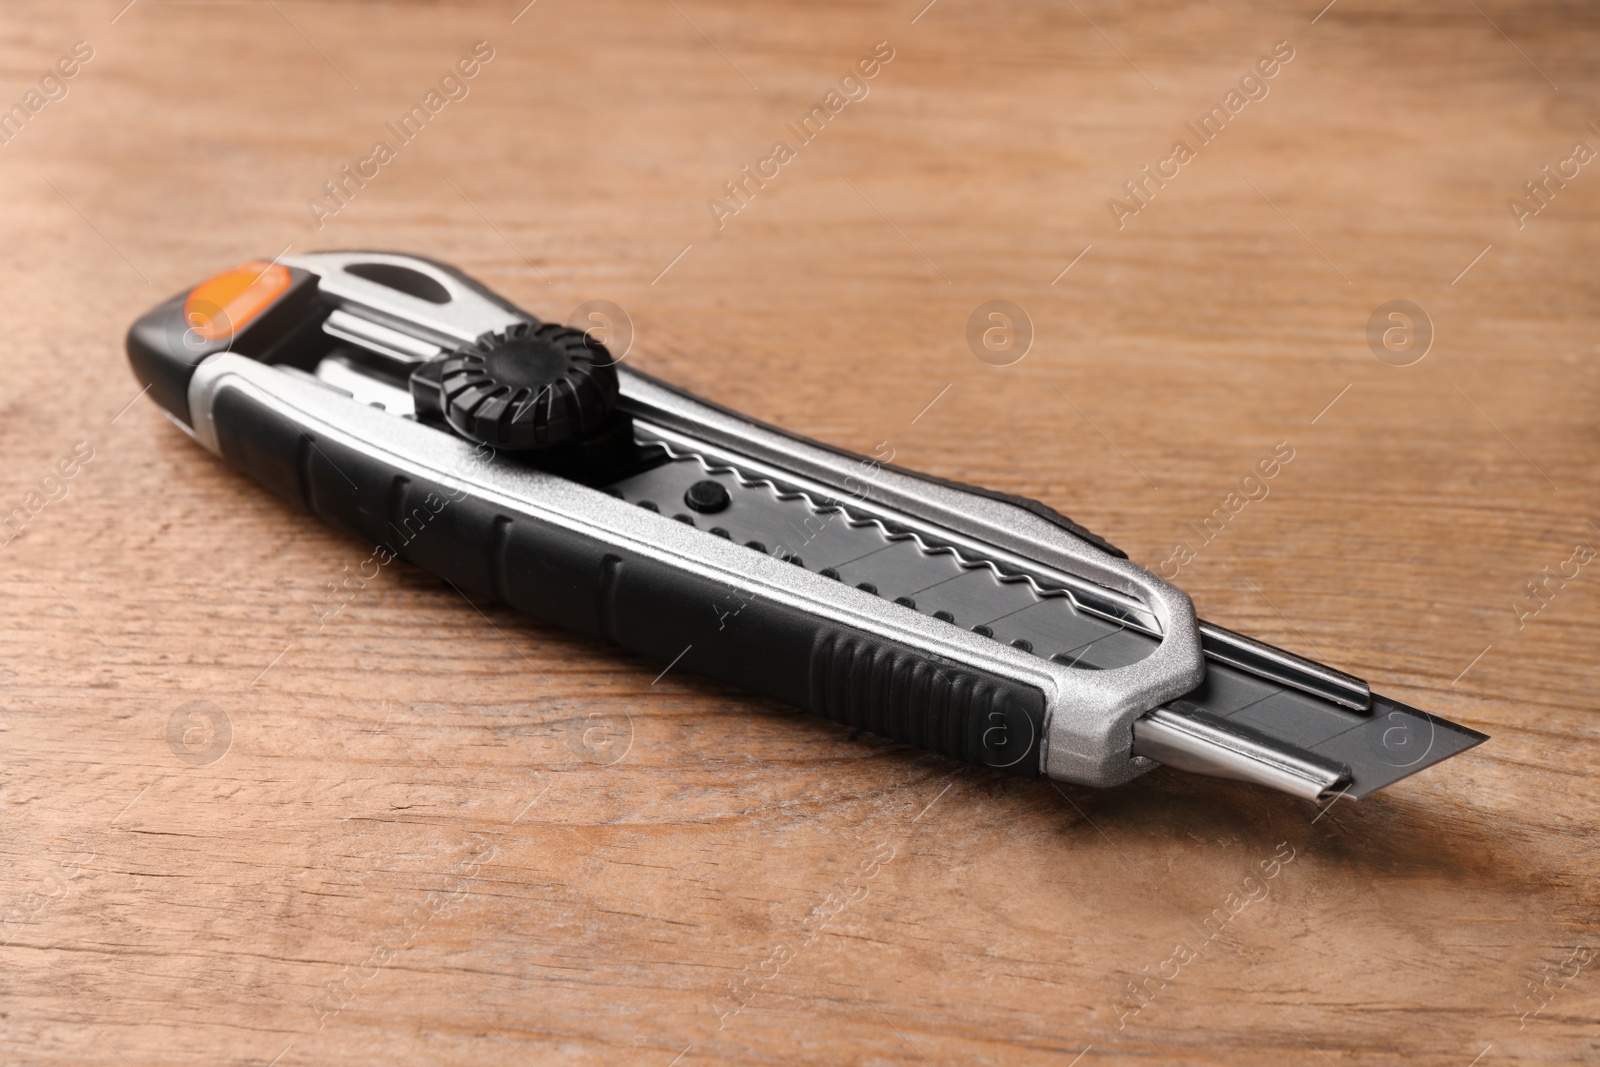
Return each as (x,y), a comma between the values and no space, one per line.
(899,694)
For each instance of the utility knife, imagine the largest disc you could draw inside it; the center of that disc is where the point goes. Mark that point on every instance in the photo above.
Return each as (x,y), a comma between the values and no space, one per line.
(397,399)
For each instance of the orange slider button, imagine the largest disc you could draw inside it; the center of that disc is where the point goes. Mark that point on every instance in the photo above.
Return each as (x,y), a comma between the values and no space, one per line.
(226,303)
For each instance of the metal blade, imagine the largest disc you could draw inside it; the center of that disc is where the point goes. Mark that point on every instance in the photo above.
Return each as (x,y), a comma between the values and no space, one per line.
(1378,746)
(1395,742)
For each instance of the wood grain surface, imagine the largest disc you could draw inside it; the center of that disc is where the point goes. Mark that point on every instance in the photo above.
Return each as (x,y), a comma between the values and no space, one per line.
(426,831)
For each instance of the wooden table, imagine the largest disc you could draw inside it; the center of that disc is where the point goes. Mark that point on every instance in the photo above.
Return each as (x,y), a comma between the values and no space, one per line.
(424,832)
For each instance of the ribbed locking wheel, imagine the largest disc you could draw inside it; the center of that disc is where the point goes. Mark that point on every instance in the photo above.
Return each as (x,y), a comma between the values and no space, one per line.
(531,386)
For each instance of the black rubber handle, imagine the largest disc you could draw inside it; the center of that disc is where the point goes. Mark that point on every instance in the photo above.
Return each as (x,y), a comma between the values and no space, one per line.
(731,633)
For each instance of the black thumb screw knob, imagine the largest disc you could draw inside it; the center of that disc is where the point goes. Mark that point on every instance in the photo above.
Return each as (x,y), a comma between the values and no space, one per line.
(531,386)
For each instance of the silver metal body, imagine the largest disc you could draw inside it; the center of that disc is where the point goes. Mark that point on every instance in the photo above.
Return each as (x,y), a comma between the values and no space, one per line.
(1101,727)
(1211,747)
